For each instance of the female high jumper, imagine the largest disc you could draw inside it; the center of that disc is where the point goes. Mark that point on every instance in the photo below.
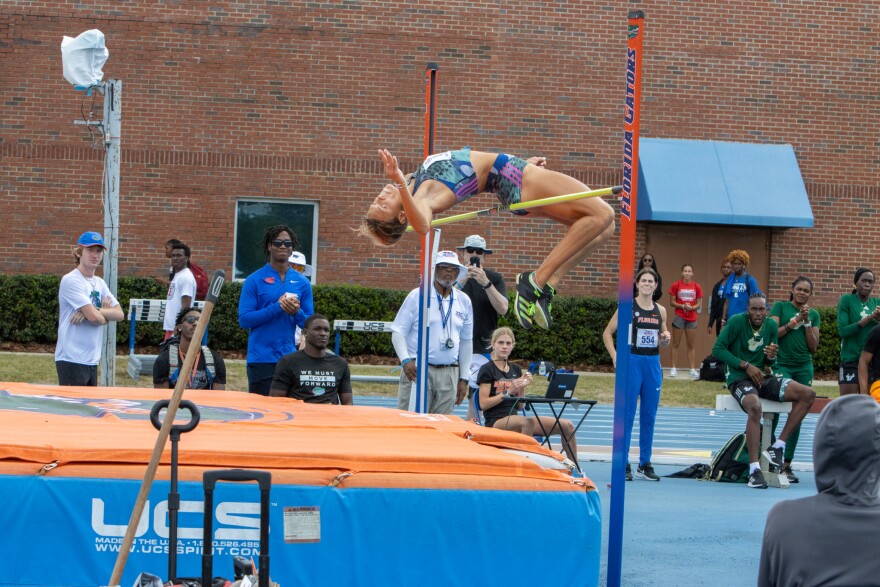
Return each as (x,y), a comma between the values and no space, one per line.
(445,179)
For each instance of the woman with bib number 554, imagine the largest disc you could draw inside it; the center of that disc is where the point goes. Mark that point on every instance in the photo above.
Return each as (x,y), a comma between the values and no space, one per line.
(649,333)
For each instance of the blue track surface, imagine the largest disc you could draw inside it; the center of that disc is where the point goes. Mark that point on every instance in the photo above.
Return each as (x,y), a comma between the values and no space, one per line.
(682,531)
(682,436)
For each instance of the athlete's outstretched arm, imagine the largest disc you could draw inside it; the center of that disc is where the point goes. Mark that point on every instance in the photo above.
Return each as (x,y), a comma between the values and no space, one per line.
(419,215)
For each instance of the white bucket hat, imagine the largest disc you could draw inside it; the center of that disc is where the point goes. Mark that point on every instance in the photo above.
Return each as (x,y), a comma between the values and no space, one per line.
(450,258)
(297,258)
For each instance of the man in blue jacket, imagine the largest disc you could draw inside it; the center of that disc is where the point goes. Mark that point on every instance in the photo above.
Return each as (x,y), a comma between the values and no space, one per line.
(275,299)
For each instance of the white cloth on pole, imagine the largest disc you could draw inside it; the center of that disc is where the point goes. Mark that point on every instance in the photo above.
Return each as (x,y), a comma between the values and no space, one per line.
(83,58)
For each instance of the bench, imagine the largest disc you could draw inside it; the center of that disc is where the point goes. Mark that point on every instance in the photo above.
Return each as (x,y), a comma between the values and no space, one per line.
(768,407)
(141,310)
(341,326)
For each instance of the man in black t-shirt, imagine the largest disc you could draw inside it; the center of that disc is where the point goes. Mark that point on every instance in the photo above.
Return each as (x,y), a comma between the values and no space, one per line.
(313,374)
(488,294)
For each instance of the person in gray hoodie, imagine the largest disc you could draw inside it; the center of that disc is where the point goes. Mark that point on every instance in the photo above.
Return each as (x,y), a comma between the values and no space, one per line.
(832,538)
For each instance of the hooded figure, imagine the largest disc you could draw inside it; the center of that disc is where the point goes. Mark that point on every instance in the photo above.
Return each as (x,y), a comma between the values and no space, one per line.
(832,538)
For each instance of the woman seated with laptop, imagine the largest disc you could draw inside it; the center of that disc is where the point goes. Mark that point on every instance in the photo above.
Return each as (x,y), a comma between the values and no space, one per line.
(502,384)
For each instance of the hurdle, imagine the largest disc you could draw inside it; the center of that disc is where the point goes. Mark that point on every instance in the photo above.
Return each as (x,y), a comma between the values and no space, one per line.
(340,326)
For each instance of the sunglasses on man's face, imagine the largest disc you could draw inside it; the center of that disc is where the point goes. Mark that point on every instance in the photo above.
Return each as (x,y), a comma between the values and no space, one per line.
(473,251)
(277,243)
(443,268)
(191,319)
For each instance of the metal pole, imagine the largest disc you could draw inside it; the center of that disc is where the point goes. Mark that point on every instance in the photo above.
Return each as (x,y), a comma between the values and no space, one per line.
(419,394)
(625,291)
(112,128)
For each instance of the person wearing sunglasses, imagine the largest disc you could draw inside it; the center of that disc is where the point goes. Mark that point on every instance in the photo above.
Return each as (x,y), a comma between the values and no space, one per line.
(488,294)
(274,300)
(451,327)
(209,370)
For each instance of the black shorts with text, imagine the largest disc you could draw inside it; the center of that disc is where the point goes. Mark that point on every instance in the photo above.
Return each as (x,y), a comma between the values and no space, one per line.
(772,389)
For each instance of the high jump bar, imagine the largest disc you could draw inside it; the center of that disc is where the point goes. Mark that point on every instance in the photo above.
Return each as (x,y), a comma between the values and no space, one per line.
(526,205)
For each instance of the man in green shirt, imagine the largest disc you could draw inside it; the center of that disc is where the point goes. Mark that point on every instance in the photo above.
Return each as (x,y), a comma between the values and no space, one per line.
(748,347)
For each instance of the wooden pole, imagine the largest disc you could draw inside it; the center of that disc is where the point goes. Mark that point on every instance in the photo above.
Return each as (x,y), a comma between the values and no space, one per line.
(191,354)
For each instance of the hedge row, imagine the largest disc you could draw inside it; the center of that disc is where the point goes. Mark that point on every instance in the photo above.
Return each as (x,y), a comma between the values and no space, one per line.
(29,313)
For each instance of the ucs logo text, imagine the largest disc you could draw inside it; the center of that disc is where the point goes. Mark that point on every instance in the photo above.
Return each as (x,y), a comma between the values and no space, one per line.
(236,520)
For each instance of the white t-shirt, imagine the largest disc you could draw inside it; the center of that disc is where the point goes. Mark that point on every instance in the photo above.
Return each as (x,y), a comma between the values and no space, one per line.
(459,326)
(80,343)
(183,284)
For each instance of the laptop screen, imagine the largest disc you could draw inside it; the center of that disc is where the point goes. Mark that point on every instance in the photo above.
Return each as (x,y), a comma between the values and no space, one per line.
(562,386)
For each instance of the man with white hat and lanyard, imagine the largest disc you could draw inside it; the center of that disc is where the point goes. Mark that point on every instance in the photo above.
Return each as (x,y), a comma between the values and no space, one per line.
(451,325)
(297,262)
(488,294)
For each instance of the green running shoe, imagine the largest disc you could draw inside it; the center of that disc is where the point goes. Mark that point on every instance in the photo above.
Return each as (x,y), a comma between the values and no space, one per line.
(543,307)
(526,296)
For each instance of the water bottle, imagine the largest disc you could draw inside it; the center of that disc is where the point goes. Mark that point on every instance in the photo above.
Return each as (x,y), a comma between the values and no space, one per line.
(542,369)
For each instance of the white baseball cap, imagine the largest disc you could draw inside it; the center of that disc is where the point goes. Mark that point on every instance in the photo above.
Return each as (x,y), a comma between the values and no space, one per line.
(297,258)
(450,258)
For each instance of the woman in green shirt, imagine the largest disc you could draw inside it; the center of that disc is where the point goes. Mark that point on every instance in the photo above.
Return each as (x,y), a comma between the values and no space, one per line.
(798,325)
(857,312)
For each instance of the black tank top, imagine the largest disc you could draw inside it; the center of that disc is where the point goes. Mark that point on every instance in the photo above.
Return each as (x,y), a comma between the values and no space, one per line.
(645,339)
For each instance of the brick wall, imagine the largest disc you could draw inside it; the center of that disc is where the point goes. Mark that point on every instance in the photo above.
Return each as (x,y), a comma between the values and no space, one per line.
(228,99)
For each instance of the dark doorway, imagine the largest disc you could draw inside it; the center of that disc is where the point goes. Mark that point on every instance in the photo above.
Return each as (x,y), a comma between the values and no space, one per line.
(703,246)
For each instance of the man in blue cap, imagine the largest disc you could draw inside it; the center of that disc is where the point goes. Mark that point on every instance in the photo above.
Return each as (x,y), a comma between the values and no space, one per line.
(85,304)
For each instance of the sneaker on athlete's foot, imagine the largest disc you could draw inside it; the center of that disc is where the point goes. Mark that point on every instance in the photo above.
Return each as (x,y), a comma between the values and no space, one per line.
(646,471)
(629,473)
(694,374)
(774,456)
(756,480)
(673,372)
(526,296)
(543,306)
(792,478)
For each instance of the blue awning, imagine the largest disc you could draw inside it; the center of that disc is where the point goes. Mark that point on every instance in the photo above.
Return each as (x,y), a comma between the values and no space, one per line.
(713,182)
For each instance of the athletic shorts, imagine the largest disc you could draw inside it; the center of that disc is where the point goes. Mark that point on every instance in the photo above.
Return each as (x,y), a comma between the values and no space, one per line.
(76,374)
(849,372)
(680,323)
(505,180)
(772,389)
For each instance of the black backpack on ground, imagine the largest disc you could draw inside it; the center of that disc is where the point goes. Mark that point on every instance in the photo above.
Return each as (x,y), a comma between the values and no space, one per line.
(731,463)
(712,369)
